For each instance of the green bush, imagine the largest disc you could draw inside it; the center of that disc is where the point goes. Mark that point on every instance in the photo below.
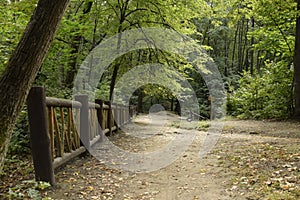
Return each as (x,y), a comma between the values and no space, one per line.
(20,141)
(265,95)
(28,189)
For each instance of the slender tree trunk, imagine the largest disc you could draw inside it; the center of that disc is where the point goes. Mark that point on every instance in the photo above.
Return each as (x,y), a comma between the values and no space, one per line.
(258,62)
(240,47)
(234,45)
(226,48)
(252,49)
(116,67)
(140,101)
(245,52)
(297,65)
(24,64)
(73,68)
(123,6)
(114,79)
(246,64)
(75,46)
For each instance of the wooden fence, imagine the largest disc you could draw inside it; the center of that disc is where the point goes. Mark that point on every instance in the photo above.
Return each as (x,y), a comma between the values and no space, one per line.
(62,129)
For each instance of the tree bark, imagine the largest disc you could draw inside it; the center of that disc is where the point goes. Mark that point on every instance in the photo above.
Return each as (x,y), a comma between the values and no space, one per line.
(24,64)
(252,48)
(140,101)
(117,64)
(234,46)
(297,65)
(75,46)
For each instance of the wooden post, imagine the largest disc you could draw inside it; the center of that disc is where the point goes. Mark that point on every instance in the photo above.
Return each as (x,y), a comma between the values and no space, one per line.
(128,115)
(84,120)
(109,117)
(125,113)
(100,113)
(100,118)
(210,99)
(121,115)
(39,136)
(116,116)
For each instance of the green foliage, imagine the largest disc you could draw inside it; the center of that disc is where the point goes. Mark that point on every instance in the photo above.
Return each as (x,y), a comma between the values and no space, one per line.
(13,19)
(263,96)
(28,189)
(239,35)
(20,141)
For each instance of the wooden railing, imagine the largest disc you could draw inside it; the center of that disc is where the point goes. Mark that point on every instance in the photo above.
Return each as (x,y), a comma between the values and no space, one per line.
(62,129)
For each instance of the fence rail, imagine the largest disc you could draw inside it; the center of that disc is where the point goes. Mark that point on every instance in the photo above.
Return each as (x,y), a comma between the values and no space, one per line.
(62,129)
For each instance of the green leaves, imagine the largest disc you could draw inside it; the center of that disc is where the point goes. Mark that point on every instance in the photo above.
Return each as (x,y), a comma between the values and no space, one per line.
(264,96)
(28,189)
(14,17)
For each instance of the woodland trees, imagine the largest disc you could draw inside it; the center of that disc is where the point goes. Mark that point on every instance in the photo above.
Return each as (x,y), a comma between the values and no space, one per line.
(252,42)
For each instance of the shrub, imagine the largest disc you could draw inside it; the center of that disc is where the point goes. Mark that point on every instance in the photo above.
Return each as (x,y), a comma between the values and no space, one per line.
(265,95)
(20,141)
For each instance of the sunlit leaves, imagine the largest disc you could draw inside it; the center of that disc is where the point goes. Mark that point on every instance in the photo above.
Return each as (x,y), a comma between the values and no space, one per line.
(265,96)
(14,17)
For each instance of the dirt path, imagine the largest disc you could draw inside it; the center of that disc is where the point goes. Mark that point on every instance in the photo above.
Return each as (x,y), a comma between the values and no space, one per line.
(188,177)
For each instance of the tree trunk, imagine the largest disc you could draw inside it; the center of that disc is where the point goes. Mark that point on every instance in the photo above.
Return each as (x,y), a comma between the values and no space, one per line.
(73,68)
(114,78)
(24,64)
(172,103)
(234,45)
(240,47)
(140,101)
(75,46)
(245,52)
(226,49)
(297,65)
(252,48)
(258,62)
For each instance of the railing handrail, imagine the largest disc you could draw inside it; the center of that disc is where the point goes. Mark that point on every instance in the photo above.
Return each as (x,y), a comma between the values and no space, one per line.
(66,103)
(56,138)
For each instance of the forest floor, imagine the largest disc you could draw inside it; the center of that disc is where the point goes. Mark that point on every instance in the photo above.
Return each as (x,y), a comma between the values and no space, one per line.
(251,160)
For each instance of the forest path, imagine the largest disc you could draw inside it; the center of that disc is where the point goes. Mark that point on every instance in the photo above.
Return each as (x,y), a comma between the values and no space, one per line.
(188,177)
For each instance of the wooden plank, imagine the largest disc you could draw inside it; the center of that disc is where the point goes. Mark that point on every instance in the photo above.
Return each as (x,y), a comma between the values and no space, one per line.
(55,102)
(59,147)
(51,131)
(67,157)
(100,114)
(109,117)
(94,105)
(69,129)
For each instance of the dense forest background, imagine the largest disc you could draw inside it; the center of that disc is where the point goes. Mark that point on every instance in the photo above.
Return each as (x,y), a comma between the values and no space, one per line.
(252,43)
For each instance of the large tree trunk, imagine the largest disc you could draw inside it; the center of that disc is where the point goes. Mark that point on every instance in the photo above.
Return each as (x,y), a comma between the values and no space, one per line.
(297,65)
(24,64)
